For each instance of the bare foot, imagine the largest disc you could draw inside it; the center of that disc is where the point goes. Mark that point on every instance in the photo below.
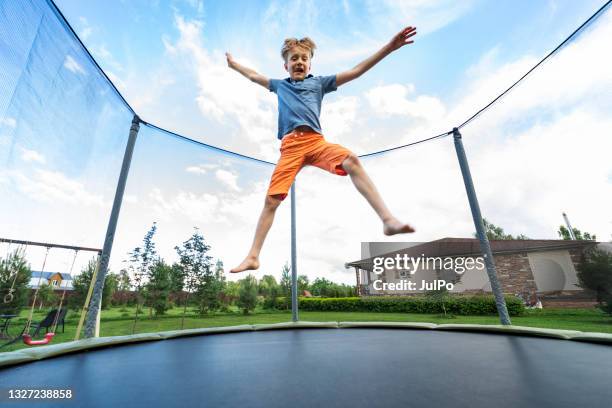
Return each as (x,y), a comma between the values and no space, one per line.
(249,263)
(394,226)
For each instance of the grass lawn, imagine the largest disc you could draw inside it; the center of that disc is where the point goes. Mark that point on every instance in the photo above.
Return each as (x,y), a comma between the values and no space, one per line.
(117,322)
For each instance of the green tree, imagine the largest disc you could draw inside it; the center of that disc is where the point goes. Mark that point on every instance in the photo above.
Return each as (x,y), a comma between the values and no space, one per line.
(81,282)
(111,283)
(123,296)
(158,287)
(201,279)
(247,299)
(440,296)
(141,260)
(177,285)
(15,276)
(326,288)
(46,295)
(177,278)
(267,283)
(231,292)
(494,232)
(215,286)
(303,283)
(580,236)
(270,290)
(595,273)
(321,287)
(124,283)
(285,282)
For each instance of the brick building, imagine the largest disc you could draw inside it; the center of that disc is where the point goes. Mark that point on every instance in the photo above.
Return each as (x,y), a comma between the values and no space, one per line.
(532,269)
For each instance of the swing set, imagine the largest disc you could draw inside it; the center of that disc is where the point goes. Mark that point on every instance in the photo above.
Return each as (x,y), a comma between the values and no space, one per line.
(25,335)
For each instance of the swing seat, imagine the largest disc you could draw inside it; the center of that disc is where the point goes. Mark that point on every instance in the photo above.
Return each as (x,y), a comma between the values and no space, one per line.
(27,339)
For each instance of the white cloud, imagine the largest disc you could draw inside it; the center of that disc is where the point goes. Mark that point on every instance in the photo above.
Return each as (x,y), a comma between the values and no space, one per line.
(427,15)
(168,46)
(8,122)
(201,168)
(346,6)
(223,93)
(102,53)
(539,150)
(119,83)
(546,170)
(130,198)
(86,29)
(73,66)
(280,14)
(198,5)
(485,64)
(393,100)
(53,186)
(184,204)
(228,178)
(196,170)
(576,75)
(339,117)
(32,156)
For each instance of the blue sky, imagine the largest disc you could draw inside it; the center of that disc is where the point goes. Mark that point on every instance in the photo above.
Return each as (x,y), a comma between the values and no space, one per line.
(539,152)
(132,31)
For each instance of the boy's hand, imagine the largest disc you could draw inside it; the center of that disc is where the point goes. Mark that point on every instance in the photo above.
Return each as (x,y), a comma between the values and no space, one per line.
(402,38)
(247,72)
(230,60)
(399,40)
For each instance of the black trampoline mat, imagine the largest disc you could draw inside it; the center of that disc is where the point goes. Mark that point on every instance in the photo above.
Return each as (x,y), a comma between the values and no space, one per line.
(328,368)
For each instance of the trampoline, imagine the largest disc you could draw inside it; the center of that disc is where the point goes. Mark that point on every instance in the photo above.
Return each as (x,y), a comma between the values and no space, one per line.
(281,365)
(327,367)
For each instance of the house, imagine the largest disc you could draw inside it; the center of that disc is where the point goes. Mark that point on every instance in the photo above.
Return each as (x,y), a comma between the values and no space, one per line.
(530,269)
(59,280)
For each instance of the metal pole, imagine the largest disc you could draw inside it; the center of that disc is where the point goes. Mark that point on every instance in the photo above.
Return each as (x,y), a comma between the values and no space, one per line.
(96,298)
(569,227)
(49,245)
(294,283)
(482,237)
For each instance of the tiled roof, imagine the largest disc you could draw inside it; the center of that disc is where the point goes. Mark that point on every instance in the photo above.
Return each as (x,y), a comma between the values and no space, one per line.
(471,247)
(47,275)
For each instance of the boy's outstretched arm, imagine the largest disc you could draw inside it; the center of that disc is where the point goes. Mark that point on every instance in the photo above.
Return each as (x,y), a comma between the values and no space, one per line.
(247,72)
(399,40)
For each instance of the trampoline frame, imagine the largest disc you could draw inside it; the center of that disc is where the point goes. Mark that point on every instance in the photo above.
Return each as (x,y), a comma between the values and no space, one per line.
(56,350)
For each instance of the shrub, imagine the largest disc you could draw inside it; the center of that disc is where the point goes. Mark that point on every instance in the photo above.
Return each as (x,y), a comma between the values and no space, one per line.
(595,273)
(455,305)
(247,299)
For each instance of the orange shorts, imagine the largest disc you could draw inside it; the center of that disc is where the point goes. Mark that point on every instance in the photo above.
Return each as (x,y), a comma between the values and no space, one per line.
(299,149)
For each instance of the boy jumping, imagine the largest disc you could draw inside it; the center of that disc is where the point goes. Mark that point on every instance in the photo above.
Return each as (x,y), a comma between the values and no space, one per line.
(299,107)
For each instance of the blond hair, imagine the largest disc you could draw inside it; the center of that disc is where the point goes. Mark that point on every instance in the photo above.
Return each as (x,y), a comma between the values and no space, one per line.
(305,43)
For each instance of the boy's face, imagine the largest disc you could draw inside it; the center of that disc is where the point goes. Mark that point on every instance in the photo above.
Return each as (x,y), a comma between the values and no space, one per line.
(298,63)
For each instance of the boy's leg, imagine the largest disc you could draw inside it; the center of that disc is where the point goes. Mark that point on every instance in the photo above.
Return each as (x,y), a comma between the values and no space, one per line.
(286,169)
(263,226)
(365,186)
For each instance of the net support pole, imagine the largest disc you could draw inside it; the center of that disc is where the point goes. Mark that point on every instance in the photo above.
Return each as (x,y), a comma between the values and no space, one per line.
(485,246)
(294,280)
(96,298)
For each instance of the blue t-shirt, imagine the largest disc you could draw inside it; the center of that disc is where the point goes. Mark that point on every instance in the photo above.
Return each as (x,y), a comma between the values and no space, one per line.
(299,102)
